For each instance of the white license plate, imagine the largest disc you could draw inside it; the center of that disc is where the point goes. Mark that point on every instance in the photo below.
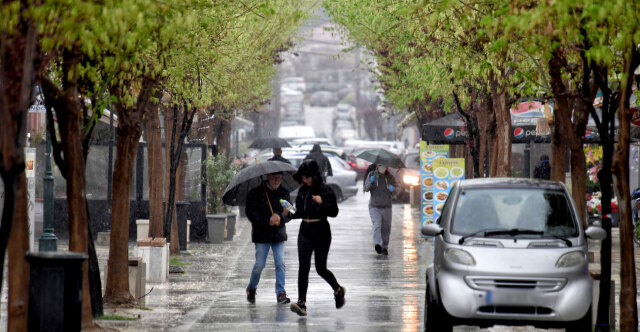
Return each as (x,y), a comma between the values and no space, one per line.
(492,297)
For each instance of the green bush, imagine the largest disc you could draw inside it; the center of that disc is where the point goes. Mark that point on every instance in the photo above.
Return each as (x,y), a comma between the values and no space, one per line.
(220,171)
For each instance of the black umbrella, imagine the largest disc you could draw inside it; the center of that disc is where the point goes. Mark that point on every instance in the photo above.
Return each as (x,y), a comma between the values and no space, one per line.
(381,157)
(269,143)
(252,176)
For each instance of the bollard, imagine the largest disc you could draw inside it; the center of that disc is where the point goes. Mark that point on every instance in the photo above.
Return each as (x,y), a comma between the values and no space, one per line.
(55,290)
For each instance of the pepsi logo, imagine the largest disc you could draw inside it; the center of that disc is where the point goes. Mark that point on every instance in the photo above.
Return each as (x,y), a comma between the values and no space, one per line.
(589,134)
(449,132)
(518,133)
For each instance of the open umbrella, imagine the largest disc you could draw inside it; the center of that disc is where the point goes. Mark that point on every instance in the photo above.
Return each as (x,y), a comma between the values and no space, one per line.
(381,157)
(252,176)
(269,142)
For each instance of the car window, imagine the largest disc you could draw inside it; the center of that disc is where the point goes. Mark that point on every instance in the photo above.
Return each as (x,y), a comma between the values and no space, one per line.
(337,163)
(412,160)
(507,208)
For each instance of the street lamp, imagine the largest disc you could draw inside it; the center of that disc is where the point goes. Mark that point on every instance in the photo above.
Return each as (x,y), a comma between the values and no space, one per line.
(48,240)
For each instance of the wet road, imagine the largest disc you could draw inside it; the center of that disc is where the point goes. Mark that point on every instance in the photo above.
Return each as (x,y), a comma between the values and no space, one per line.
(384,293)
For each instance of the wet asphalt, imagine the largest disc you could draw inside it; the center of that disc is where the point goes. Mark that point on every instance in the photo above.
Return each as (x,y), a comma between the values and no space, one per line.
(383,293)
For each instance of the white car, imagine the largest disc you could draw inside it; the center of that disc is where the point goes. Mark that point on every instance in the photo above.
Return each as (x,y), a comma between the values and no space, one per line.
(290,133)
(294,83)
(508,252)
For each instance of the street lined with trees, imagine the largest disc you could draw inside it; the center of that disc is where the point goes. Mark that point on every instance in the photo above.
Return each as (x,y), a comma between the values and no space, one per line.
(479,58)
(136,58)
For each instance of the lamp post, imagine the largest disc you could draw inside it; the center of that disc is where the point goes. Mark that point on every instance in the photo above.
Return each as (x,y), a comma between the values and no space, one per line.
(48,240)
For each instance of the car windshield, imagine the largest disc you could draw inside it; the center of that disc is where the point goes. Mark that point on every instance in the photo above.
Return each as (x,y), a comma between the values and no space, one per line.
(412,160)
(542,210)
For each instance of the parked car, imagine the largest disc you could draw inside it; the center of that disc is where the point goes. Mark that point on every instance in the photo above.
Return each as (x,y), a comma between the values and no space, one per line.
(509,252)
(294,111)
(310,141)
(344,179)
(294,83)
(323,98)
(289,133)
(290,96)
(344,111)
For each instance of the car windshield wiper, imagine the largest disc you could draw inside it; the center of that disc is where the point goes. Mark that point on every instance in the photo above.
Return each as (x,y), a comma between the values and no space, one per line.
(496,232)
(564,239)
(482,231)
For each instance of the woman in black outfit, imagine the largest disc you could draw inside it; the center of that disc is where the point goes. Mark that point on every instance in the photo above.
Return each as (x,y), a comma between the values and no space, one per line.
(315,202)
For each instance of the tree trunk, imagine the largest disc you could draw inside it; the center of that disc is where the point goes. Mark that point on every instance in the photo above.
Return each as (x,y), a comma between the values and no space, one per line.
(570,133)
(17,54)
(562,119)
(604,175)
(19,268)
(117,284)
(628,304)
(169,230)
(223,134)
(70,120)
(154,165)
(503,130)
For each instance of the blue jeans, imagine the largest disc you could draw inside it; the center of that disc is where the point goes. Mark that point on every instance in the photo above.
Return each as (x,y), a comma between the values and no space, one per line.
(262,250)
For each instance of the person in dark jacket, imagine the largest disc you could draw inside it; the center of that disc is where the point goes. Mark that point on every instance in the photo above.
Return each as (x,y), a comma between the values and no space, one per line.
(381,183)
(277,156)
(322,161)
(314,203)
(268,231)
(543,170)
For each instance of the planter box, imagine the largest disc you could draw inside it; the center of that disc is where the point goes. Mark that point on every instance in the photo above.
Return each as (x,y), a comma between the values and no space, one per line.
(231,226)
(155,254)
(216,227)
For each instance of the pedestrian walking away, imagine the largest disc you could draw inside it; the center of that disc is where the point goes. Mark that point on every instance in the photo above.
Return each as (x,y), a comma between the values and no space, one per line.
(268,231)
(318,156)
(381,184)
(277,156)
(543,169)
(314,203)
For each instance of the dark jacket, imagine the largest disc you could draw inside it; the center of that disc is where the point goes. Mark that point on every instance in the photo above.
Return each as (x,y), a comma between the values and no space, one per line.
(322,160)
(259,213)
(380,195)
(280,158)
(543,170)
(307,208)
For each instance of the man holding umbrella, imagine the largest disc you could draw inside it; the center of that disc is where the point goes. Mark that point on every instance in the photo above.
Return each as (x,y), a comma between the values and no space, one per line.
(381,183)
(268,231)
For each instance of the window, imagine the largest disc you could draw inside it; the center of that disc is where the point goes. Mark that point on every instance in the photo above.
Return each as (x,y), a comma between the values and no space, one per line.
(543,210)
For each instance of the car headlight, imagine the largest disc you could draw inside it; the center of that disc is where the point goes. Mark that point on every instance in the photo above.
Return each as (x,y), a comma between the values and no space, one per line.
(570,259)
(411,180)
(459,256)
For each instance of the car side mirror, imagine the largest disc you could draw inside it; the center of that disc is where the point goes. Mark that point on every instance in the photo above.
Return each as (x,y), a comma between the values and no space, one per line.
(596,233)
(432,230)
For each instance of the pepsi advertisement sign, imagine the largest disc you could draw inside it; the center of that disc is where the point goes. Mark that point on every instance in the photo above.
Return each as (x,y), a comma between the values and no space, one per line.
(452,133)
(523,134)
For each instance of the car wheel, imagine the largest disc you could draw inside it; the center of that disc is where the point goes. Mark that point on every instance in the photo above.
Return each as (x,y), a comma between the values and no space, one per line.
(582,324)
(436,318)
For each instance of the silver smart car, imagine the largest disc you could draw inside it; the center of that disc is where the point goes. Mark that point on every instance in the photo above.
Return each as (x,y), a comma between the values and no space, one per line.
(509,252)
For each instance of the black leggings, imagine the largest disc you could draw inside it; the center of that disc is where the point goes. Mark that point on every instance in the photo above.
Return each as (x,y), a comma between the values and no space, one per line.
(315,236)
